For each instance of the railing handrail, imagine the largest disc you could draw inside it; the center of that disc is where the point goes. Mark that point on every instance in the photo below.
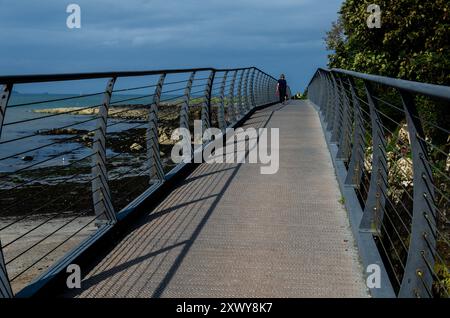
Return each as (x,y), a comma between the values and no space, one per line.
(222,102)
(41,78)
(370,130)
(431,90)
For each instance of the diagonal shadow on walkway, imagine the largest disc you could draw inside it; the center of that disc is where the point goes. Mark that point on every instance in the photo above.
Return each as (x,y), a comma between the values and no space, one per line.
(173,269)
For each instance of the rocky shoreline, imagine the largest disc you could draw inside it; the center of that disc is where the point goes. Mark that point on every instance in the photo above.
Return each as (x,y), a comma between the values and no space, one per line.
(126,149)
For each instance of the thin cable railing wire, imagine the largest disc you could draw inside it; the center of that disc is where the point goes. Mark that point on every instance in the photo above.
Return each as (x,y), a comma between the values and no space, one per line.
(49,235)
(194,98)
(50,101)
(383,227)
(421,119)
(76,109)
(44,131)
(54,249)
(52,157)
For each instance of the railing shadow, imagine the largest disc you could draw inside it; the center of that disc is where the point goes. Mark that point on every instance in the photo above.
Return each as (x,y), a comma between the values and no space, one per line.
(165,236)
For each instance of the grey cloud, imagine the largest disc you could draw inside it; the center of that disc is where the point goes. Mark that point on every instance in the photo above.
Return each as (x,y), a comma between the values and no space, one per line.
(142,34)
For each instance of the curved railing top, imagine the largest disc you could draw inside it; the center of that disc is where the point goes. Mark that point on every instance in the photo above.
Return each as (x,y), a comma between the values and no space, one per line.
(41,78)
(431,90)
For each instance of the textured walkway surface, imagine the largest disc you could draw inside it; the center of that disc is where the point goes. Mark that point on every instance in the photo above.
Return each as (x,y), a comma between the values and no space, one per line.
(230,231)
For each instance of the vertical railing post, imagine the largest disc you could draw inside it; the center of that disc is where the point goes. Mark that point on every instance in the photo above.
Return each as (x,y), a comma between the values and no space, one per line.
(221,108)
(332,106)
(252,88)
(270,90)
(4,98)
(318,96)
(273,89)
(156,171)
(5,286)
(256,94)
(324,106)
(184,113)
(344,140)
(239,103)
(231,109)
(316,91)
(355,168)
(337,121)
(264,90)
(259,88)
(206,106)
(417,278)
(375,203)
(247,97)
(101,194)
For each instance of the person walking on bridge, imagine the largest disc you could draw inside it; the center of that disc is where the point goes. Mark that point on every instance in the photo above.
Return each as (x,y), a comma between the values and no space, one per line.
(282,89)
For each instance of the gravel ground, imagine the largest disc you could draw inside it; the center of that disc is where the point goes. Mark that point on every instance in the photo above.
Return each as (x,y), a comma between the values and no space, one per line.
(31,253)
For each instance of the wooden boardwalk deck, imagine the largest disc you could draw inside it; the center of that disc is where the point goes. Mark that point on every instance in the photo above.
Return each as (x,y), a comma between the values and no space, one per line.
(230,231)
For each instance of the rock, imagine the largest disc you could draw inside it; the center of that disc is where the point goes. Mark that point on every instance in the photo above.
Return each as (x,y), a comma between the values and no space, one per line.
(447,165)
(406,171)
(62,131)
(86,138)
(164,138)
(403,135)
(136,147)
(27,158)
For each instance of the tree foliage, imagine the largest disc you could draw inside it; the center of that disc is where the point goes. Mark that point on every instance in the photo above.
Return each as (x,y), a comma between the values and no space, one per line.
(413,42)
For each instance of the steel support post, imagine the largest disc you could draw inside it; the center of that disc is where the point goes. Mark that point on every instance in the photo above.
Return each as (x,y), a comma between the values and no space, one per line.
(356,165)
(252,89)
(338,115)
(231,109)
(5,286)
(156,171)
(221,108)
(375,203)
(256,92)
(4,98)
(206,106)
(260,93)
(246,96)
(418,275)
(239,109)
(346,131)
(184,113)
(101,194)
(332,106)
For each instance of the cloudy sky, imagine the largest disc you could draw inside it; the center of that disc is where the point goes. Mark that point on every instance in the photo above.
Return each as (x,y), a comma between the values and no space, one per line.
(274,35)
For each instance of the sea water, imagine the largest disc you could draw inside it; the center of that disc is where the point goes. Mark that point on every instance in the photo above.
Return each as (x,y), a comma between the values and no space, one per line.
(12,153)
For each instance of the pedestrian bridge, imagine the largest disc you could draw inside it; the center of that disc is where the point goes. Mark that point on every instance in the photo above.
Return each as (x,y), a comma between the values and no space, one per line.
(357,207)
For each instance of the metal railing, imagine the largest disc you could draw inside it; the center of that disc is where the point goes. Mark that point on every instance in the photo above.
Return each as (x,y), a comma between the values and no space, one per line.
(391,144)
(72,164)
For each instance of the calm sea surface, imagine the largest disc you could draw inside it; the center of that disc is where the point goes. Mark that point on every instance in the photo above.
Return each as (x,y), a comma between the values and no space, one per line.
(21,148)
